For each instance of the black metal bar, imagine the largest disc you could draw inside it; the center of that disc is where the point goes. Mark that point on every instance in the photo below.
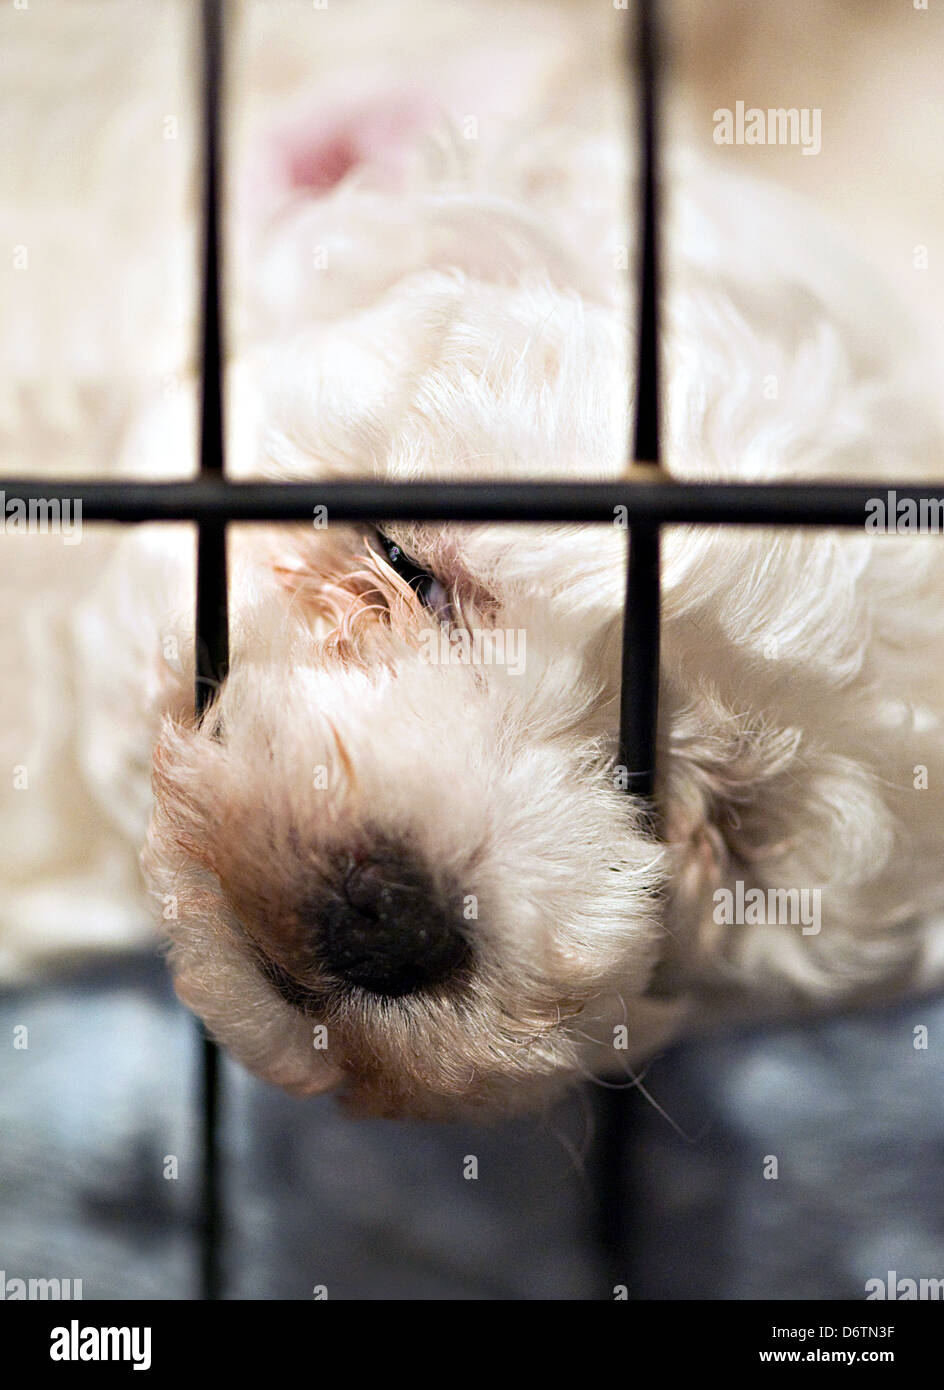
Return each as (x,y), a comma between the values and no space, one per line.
(211,618)
(639,688)
(211,1215)
(639,699)
(649,367)
(673,503)
(639,691)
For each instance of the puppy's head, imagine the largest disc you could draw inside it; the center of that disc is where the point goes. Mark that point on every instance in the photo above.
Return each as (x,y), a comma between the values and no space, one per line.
(391,856)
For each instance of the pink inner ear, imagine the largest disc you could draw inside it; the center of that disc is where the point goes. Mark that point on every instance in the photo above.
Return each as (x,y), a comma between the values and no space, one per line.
(322,146)
(321,167)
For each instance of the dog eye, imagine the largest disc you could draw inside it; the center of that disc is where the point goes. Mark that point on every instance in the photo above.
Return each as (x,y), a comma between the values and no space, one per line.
(427,587)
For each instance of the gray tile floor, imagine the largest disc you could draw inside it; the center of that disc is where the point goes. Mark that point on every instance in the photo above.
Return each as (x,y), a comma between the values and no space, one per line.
(91,1111)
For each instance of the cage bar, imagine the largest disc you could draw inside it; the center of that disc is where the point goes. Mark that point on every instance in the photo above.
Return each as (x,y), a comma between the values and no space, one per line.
(211,616)
(639,691)
(639,679)
(673,503)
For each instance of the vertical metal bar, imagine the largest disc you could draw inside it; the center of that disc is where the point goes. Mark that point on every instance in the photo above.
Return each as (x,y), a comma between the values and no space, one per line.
(639,692)
(212,624)
(639,702)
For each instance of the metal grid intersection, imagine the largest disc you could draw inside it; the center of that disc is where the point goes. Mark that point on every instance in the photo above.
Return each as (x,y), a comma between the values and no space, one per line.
(650,499)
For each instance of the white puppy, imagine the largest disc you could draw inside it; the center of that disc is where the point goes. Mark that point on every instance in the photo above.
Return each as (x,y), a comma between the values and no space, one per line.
(396,856)
(392,863)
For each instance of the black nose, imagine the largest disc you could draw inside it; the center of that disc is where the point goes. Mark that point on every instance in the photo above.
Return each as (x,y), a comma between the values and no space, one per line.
(391,930)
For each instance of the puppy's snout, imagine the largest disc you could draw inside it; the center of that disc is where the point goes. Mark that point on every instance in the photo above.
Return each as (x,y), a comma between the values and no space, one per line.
(391,930)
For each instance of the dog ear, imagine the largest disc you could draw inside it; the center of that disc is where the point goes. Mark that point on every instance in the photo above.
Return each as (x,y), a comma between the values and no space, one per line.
(377,119)
(316,146)
(729,781)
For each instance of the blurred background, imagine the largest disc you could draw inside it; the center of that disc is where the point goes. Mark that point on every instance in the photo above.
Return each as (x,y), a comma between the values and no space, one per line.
(98,1155)
(104,1095)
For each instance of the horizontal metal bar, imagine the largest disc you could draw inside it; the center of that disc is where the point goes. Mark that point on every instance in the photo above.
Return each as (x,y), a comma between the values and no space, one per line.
(205,499)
